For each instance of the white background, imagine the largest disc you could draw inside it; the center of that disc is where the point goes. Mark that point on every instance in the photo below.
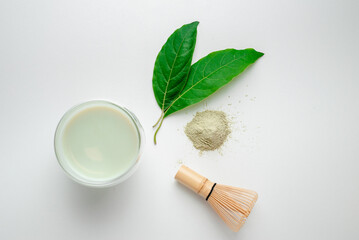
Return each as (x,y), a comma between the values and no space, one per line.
(295,116)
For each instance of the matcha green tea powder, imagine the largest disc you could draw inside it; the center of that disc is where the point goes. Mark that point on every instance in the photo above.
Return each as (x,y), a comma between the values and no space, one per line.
(208,130)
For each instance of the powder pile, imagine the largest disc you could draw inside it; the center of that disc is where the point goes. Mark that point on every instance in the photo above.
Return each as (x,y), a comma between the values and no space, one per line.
(208,130)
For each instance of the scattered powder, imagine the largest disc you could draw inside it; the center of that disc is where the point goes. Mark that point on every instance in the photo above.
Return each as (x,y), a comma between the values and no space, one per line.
(208,130)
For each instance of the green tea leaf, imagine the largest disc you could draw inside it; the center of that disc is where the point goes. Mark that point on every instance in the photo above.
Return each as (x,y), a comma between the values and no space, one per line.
(210,74)
(177,85)
(173,64)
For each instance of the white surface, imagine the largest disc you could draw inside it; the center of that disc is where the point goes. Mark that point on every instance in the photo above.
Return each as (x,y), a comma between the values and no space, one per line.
(295,134)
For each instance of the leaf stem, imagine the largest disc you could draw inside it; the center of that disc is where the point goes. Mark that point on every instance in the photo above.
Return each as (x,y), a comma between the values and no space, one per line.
(154,137)
(159,119)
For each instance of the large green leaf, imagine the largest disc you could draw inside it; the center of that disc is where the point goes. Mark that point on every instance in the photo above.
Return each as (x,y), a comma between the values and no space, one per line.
(210,74)
(173,64)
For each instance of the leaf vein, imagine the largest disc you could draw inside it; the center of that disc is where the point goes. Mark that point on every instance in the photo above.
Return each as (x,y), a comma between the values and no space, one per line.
(169,78)
(198,83)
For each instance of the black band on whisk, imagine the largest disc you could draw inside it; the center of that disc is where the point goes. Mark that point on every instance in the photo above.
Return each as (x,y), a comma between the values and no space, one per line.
(209,194)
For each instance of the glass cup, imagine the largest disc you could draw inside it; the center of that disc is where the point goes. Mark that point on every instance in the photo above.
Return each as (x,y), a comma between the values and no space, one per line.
(71,163)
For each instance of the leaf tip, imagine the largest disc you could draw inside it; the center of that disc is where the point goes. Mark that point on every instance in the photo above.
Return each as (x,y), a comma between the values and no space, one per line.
(256,53)
(195,23)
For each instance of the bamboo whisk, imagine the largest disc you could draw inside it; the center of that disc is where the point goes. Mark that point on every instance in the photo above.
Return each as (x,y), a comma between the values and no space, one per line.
(232,204)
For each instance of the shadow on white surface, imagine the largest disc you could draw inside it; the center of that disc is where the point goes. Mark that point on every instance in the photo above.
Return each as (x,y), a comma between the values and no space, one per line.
(98,205)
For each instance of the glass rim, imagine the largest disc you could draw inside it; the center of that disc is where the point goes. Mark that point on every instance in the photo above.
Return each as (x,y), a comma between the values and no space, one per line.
(101,183)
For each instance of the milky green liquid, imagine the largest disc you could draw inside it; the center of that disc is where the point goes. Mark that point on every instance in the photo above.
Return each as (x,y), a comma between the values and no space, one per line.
(100,143)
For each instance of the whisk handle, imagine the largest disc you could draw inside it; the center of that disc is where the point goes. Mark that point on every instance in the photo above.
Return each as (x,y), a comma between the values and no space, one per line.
(190,178)
(194,181)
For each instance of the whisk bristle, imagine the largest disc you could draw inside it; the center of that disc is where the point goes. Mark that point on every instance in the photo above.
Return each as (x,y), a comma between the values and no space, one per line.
(232,204)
